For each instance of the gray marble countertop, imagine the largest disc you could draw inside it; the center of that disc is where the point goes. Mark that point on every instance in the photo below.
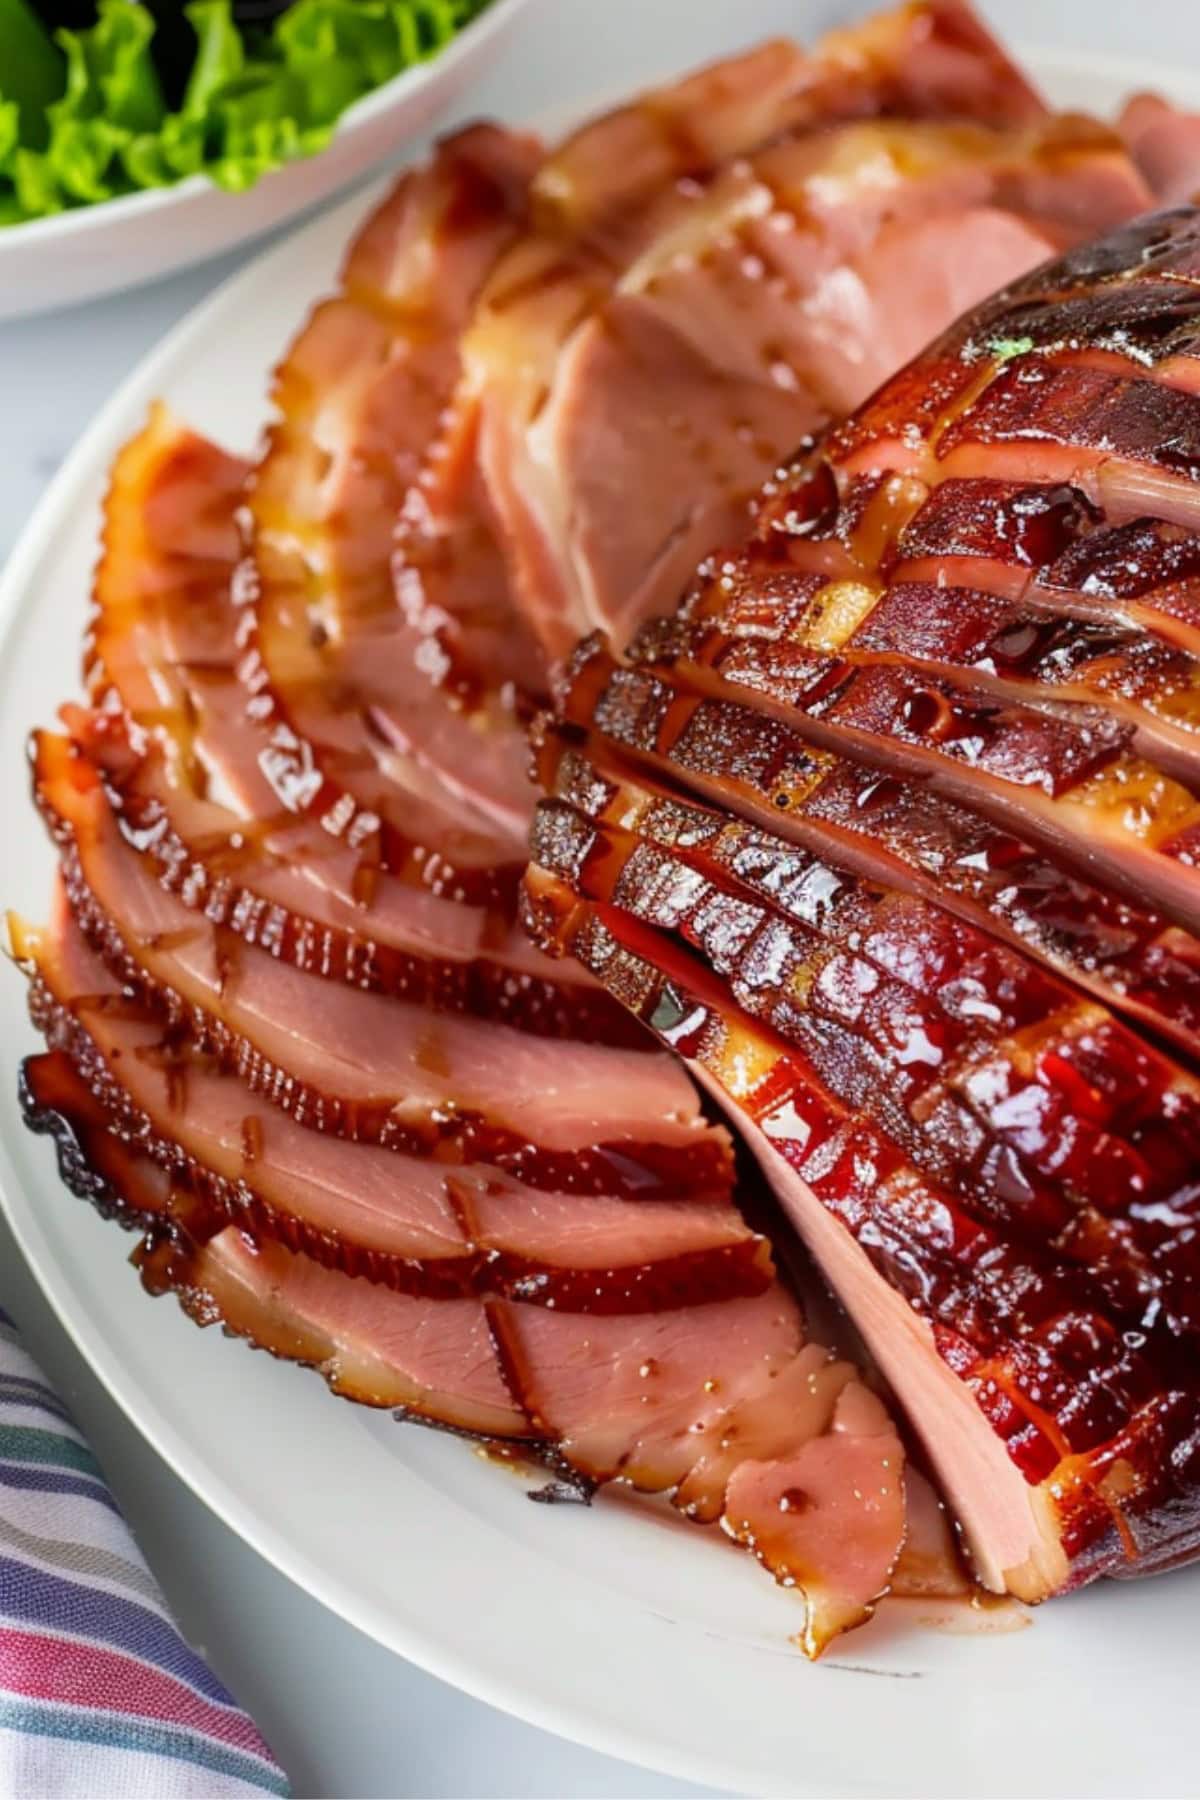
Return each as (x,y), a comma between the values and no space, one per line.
(346,1717)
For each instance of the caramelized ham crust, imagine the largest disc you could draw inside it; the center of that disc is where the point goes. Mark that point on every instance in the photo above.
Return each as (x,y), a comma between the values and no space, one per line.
(964,1051)
(887,829)
(997,1175)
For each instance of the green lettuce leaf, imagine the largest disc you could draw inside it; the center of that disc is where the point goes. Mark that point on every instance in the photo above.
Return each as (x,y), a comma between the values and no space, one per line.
(220,56)
(158,158)
(85,119)
(110,71)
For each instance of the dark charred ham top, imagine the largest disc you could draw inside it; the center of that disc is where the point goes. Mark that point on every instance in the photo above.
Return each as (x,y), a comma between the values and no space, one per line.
(887,829)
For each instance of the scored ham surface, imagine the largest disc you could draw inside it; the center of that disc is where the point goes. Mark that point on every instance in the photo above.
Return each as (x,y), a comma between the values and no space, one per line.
(297,1033)
(998,1172)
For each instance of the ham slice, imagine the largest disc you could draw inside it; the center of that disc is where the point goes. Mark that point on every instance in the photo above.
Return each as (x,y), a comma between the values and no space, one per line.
(163,651)
(430,1357)
(371,1070)
(205,792)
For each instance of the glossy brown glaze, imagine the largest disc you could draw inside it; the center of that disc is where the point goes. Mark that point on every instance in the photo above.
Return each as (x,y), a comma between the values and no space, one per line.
(1039,1343)
(901,832)
(1040,1110)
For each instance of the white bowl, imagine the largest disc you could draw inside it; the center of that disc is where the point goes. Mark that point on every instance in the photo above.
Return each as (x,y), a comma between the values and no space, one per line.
(93,250)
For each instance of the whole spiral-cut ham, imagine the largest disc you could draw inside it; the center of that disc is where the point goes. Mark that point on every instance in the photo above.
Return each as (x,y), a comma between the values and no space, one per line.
(887,833)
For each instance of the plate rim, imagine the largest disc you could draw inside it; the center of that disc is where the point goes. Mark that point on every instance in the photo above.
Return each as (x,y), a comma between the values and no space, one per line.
(582,1721)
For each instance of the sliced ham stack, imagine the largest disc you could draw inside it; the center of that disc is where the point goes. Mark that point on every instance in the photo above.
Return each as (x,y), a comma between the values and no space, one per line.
(296,1033)
(891,831)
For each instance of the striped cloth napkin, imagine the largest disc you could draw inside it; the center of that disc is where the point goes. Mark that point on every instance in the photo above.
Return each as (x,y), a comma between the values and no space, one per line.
(99,1694)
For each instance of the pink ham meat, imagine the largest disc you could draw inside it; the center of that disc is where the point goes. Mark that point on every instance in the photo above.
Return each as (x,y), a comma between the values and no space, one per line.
(1165,144)
(430,1357)
(919,1094)
(203,791)
(727,303)
(628,1403)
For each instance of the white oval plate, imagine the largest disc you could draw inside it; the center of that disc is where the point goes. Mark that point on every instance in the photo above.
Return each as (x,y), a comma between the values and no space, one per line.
(92,250)
(617,1627)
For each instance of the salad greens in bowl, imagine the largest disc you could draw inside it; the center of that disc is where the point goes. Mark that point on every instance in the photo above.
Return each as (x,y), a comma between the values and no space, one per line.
(137,136)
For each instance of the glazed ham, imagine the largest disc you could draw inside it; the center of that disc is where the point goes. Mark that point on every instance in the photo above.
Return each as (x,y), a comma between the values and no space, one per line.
(283,974)
(886,832)
(996,1170)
